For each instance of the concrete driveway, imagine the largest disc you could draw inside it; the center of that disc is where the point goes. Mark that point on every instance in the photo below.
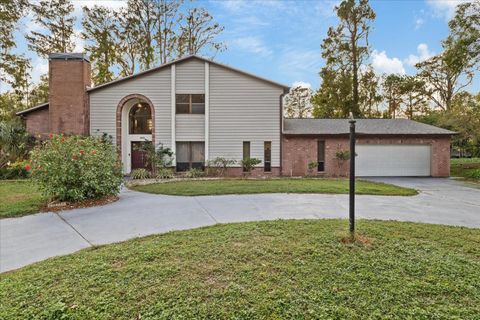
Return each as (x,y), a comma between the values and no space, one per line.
(37,237)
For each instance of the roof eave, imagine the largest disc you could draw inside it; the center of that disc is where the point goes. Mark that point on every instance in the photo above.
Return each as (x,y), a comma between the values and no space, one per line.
(32,109)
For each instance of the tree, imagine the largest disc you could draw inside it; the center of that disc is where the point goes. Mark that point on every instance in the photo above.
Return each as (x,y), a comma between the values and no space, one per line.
(464,118)
(452,70)
(128,41)
(143,12)
(198,32)
(55,16)
(99,31)
(297,102)
(10,12)
(465,28)
(368,93)
(344,50)
(166,36)
(413,98)
(39,92)
(392,88)
(331,99)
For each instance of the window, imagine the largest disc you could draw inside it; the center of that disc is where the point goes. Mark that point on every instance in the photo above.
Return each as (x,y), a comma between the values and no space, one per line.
(190,103)
(140,119)
(321,156)
(246,151)
(190,155)
(267,156)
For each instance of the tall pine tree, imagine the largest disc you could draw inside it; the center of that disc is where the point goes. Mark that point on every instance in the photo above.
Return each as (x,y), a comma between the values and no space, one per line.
(99,31)
(55,17)
(345,49)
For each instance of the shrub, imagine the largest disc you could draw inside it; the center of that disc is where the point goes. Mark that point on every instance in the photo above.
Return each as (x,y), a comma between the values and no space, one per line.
(156,158)
(218,166)
(249,163)
(137,174)
(312,166)
(194,173)
(474,174)
(15,143)
(76,168)
(164,173)
(16,170)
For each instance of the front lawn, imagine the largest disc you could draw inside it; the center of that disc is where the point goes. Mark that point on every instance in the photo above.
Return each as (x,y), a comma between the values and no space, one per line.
(464,167)
(19,197)
(282,185)
(261,270)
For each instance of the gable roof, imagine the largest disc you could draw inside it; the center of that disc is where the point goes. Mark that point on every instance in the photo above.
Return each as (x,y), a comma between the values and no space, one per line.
(363,126)
(108,84)
(37,107)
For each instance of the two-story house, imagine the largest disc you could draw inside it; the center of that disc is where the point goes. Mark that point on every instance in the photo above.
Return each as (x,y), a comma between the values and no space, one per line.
(202,109)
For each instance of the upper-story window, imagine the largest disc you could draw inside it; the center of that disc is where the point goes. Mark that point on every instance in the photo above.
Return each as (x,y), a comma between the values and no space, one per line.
(190,103)
(140,119)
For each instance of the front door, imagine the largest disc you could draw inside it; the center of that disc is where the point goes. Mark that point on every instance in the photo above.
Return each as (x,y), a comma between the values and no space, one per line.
(138,156)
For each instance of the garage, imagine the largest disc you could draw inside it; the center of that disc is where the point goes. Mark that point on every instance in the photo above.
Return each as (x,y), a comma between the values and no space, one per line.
(384,147)
(393,160)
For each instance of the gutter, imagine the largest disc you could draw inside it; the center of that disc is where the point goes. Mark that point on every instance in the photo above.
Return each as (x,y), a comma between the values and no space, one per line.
(285,92)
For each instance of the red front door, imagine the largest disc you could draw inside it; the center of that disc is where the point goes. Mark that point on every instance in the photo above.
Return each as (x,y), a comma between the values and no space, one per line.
(138,156)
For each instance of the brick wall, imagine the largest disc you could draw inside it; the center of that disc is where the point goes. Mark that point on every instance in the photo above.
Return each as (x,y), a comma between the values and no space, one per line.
(37,122)
(298,151)
(68,109)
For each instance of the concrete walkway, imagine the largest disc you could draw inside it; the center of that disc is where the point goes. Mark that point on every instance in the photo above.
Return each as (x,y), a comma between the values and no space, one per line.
(37,237)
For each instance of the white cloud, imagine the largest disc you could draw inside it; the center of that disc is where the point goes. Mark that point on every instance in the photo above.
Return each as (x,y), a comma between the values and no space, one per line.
(252,44)
(419,23)
(302,84)
(327,7)
(444,8)
(423,54)
(383,64)
(298,63)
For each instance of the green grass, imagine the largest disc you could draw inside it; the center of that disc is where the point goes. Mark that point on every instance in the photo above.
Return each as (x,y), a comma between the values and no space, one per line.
(284,185)
(262,270)
(19,197)
(463,167)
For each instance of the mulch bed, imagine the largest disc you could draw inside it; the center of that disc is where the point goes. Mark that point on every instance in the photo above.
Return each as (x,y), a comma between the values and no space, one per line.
(60,206)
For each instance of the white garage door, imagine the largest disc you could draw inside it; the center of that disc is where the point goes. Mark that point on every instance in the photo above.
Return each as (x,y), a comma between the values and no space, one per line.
(393,160)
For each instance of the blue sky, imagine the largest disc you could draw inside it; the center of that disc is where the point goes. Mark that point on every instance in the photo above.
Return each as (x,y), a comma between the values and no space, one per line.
(280,40)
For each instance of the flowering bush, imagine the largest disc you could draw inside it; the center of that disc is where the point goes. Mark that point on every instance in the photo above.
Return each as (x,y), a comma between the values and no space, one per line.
(76,168)
(16,170)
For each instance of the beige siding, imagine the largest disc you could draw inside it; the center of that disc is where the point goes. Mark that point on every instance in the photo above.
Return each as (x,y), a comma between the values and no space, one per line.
(243,108)
(155,86)
(190,127)
(190,77)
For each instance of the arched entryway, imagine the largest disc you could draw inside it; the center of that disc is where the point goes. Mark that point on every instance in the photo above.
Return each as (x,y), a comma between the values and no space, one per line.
(135,125)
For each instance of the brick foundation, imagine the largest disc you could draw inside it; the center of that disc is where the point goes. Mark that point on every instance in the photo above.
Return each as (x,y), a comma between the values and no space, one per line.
(298,151)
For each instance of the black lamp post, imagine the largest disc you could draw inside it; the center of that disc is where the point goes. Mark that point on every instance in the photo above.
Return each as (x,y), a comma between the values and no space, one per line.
(352,176)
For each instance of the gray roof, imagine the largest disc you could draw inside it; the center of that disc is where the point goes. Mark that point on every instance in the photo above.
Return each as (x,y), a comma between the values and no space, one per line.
(40,106)
(363,126)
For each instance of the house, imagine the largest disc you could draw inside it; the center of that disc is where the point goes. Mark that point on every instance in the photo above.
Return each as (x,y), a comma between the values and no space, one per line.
(202,109)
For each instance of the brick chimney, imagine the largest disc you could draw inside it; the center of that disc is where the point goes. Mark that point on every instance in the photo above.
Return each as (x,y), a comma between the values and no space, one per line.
(69,77)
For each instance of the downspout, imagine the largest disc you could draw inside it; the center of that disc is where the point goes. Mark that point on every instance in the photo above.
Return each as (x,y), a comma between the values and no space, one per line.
(285,91)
